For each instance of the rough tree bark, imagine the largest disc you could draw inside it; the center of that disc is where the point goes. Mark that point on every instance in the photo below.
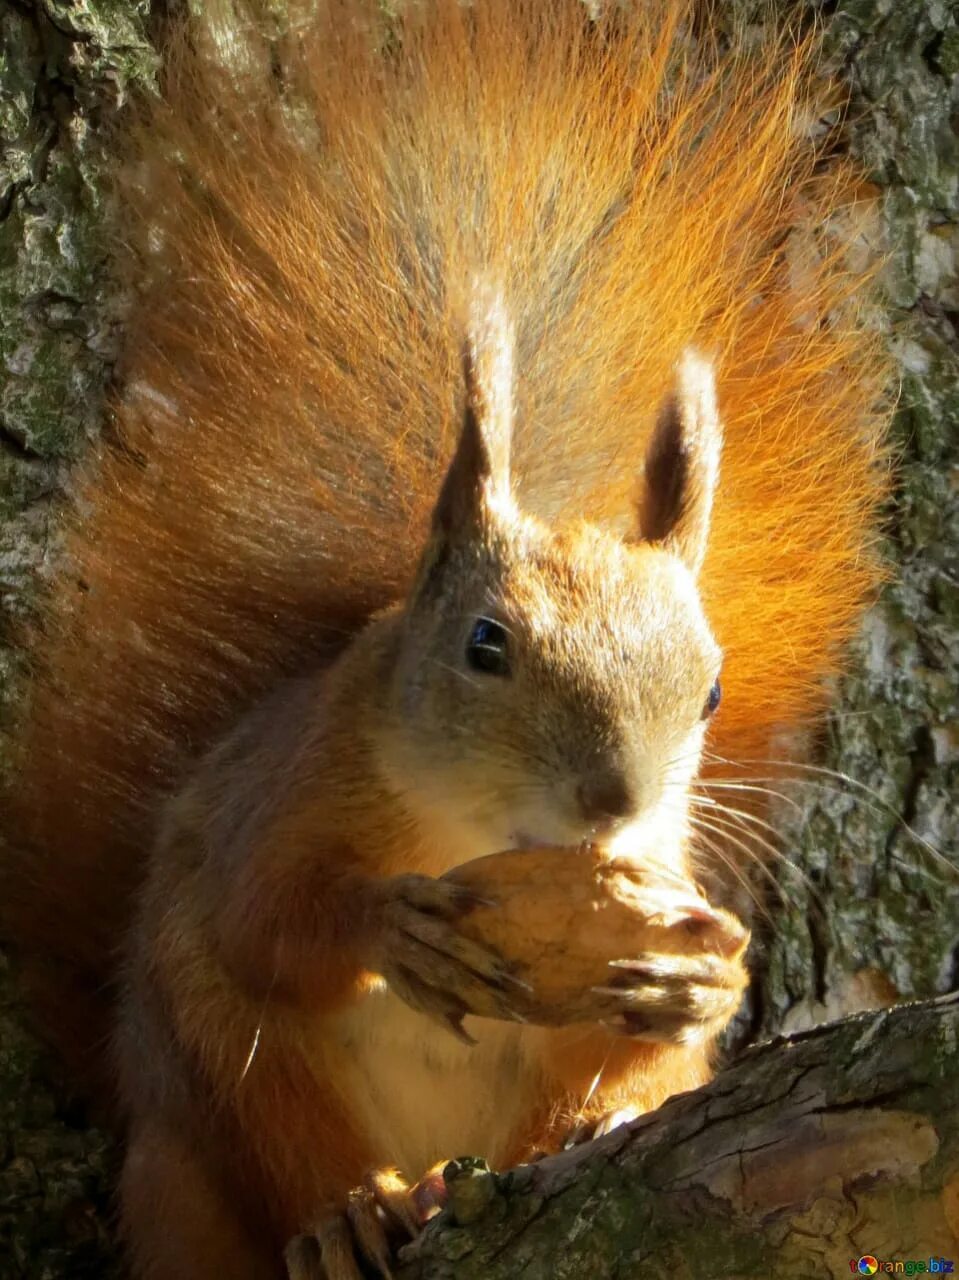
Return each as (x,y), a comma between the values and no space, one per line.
(797,1160)
(66,66)
(877,916)
(867,914)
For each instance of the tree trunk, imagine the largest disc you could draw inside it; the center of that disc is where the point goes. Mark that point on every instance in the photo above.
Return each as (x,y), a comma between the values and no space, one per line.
(64,70)
(868,911)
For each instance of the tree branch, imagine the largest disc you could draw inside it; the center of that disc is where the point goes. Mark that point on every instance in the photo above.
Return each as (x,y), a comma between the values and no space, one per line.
(806,1153)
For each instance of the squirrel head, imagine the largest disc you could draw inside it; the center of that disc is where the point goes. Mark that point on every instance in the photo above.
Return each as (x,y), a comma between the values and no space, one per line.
(551,687)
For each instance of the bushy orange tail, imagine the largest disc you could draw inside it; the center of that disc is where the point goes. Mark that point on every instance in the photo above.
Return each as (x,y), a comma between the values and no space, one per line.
(315,208)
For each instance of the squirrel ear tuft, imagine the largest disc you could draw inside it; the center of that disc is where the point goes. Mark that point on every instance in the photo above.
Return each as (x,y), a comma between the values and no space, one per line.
(479,472)
(682,465)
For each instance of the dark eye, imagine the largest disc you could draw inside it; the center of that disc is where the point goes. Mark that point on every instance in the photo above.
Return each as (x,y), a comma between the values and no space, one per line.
(712,702)
(488,650)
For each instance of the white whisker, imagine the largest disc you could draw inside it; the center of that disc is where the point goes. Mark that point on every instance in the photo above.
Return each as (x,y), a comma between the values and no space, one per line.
(733,831)
(703,835)
(252,1054)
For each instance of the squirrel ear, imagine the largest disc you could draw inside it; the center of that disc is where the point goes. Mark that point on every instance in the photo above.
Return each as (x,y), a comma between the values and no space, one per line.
(479,472)
(682,465)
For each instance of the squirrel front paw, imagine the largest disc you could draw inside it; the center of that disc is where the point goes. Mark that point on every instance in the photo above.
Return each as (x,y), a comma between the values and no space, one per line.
(381,1215)
(430,964)
(679,996)
(614,940)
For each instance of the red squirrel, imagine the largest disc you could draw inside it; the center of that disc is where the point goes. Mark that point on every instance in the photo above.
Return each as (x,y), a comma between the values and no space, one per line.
(495,407)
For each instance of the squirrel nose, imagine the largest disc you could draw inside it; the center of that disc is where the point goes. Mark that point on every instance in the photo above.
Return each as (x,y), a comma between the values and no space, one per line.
(604,798)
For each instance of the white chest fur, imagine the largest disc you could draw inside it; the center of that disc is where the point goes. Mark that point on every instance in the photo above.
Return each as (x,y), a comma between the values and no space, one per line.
(421,1095)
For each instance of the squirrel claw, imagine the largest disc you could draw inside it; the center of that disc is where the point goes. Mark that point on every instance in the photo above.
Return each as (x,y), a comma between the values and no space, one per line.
(454,1022)
(673,998)
(379,1214)
(326,1253)
(584,1131)
(431,965)
(368,1232)
(517,982)
(303,1260)
(466,898)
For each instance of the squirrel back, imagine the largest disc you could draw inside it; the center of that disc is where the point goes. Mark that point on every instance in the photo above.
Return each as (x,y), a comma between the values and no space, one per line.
(313,211)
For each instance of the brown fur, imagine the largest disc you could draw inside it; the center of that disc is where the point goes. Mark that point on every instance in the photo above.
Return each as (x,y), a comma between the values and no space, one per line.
(294,386)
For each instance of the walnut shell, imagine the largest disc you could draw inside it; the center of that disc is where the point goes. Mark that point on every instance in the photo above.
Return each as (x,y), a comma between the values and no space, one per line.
(559,916)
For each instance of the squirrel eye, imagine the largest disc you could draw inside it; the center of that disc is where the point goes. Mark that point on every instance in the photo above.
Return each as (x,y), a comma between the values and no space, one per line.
(712,702)
(487,650)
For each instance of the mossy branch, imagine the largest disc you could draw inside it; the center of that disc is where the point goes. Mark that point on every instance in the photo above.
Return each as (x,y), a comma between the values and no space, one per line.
(805,1154)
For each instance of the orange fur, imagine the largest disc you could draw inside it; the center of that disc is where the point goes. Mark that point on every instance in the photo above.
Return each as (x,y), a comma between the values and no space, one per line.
(292,387)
